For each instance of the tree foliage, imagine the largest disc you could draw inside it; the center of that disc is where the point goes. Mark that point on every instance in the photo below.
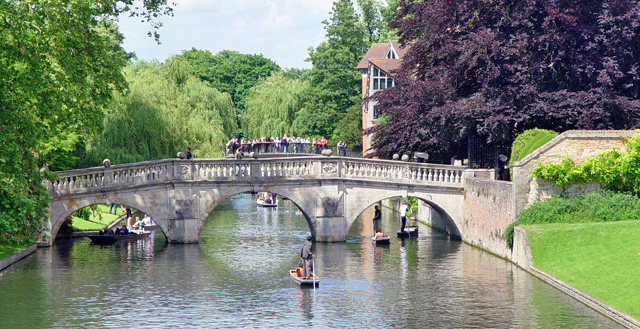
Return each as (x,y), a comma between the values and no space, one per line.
(230,71)
(272,105)
(185,111)
(495,68)
(55,74)
(335,85)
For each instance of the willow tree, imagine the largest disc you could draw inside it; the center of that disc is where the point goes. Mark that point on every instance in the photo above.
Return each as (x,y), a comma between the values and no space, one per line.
(165,109)
(272,106)
(56,71)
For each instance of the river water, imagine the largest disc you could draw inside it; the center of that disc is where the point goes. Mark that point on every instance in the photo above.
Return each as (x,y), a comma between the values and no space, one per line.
(237,277)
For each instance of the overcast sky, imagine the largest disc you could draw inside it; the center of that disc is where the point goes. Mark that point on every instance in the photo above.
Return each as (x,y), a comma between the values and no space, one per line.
(280,30)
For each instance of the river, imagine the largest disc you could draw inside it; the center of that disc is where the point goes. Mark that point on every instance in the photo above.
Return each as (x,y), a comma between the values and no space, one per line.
(237,277)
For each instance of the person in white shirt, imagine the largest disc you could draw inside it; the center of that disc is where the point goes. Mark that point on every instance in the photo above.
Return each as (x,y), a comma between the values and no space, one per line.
(403,215)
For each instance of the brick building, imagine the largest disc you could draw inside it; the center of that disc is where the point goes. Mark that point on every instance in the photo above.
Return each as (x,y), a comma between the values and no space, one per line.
(377,67)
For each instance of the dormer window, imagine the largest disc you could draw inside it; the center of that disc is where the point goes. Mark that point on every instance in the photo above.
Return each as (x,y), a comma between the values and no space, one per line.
(391,54)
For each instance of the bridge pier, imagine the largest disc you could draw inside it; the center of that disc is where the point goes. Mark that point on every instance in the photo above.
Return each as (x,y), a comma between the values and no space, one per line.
(331,229)
(183,230)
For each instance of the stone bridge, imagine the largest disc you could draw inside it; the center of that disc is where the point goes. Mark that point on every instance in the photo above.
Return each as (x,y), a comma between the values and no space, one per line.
(330,191)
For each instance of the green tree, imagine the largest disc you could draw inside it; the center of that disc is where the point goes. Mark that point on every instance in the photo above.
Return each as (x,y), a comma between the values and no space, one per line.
(230,71)
(55,75)
(349,128)
(387,13)
(370,11)
(185,111)
(335,85)
(272,105)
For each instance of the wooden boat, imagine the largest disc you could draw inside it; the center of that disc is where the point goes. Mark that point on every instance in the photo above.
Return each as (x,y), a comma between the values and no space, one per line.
(302,282)
(113,238)
(147,227)
(381,240)
(409,231)
(261,203)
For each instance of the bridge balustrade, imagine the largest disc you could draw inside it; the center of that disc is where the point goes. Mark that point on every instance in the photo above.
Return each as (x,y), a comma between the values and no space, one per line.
(224,170)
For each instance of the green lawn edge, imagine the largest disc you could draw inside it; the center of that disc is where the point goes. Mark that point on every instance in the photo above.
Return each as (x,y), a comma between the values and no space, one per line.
(7,250)
(96,223)
(600,259)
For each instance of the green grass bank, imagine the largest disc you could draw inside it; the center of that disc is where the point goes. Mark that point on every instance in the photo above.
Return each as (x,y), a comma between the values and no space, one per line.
(600,259)
(8,250)
(97,221)
(589,241)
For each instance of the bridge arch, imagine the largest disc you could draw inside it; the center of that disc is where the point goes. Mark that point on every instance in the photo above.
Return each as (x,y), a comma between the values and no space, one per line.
(444,220)
(213,197)
(57,218)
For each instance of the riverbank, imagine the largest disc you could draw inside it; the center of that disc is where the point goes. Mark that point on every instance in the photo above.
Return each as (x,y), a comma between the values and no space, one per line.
(596,263)
(8,260)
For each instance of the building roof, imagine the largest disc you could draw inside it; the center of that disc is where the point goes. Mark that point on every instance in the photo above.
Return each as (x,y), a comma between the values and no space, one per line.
(376,56)
(399,50)
(377,50)
(386,65)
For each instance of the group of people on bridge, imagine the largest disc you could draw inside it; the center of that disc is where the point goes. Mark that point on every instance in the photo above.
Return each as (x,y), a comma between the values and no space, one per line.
(282,145)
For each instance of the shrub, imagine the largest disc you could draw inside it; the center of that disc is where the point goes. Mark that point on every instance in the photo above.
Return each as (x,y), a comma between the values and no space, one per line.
(618,171)
(528,141)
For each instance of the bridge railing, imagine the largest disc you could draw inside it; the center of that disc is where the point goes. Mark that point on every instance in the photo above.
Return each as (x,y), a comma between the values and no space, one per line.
(224,170)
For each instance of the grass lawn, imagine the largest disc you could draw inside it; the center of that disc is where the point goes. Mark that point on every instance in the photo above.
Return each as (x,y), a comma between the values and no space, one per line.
(600,259)
(8,250)
(97,222)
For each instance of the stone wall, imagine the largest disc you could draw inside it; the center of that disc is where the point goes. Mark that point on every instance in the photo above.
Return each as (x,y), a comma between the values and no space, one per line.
(489,208)
(577,145)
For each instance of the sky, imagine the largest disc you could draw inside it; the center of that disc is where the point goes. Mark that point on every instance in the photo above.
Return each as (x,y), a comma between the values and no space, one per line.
(280,30)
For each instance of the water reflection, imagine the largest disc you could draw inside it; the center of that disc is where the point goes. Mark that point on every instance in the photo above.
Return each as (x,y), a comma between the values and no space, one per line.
(238,277)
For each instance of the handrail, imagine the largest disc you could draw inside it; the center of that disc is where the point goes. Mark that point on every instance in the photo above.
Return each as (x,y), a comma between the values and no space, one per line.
(231,170)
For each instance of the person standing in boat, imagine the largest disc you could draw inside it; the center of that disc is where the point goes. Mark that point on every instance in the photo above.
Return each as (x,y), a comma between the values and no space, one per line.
(129,214)
(306,256)
(403,215)
(376,219)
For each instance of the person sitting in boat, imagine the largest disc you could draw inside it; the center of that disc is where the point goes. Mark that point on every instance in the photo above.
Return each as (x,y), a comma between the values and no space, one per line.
(124,230)
(306,256)
(299,270)
(147,221)
(379,234)
(139,224)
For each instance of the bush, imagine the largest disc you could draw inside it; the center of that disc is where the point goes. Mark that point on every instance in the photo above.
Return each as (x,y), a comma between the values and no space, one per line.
(618,171)
(529,141)
(607,206)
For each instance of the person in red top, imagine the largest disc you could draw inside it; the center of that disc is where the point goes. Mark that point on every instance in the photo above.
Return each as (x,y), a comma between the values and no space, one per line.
(323,143)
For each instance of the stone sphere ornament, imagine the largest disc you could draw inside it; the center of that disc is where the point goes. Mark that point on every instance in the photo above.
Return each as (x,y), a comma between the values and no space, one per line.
(327,152)
(106,163)
(396,156)
(181,155)
(405,157)
(253,155)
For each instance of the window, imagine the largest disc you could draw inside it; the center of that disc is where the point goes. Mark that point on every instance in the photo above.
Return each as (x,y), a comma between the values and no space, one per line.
(375,112)
(391,54)
(380,80)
